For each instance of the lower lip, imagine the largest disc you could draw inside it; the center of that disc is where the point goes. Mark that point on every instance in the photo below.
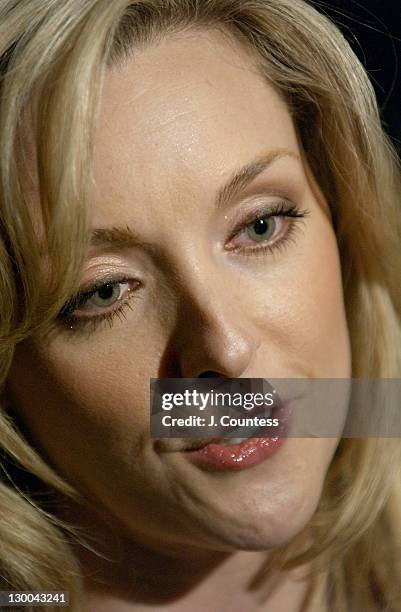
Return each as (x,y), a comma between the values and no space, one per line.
(235,457)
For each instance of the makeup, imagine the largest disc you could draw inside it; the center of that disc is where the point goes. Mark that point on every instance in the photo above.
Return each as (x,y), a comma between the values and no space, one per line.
(230,454)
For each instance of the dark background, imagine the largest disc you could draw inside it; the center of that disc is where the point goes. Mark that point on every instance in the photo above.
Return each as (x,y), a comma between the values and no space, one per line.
(373,28)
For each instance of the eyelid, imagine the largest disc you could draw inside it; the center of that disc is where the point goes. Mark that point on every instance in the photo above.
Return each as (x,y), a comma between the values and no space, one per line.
(89,290)
(85,299)
(91,287)
(280,208)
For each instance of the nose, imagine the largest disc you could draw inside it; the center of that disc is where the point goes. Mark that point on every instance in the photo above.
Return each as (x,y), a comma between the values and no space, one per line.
(213,337)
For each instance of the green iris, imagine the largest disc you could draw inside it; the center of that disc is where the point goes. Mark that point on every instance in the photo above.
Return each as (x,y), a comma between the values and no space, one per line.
(262,229)
(106,295)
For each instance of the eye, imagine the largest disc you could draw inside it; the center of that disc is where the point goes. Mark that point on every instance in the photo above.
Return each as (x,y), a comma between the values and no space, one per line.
(107,295)
(98,297)
(262,229)
(91,306)
(266,228)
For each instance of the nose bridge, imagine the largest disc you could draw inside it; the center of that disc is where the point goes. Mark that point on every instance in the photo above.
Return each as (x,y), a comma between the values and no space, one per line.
(203,289)
(211,333)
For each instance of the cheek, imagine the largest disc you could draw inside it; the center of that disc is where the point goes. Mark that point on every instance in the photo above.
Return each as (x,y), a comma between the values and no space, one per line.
(73,406)
(326,324)
(300,310)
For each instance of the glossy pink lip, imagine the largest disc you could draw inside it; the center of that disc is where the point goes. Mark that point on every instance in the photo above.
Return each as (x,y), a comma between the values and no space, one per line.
(235,457)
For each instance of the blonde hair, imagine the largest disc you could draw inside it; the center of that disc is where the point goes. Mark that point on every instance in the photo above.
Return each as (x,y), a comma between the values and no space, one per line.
(53,57)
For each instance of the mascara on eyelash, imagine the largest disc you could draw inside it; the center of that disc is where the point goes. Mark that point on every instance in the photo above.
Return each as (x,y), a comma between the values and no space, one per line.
(82,296)
(261,249)
(88,325)
(282,208)
(66,314)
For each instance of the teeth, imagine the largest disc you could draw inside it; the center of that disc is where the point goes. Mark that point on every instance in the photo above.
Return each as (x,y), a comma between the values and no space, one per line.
(229,441)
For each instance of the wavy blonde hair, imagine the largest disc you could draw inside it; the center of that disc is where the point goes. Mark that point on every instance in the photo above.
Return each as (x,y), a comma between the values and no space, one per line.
(53,58)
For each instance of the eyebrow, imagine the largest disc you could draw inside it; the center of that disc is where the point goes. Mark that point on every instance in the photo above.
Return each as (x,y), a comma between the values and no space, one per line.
(120,236)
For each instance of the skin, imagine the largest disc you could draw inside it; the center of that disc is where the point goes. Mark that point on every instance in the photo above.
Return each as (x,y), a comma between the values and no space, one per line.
(175,123)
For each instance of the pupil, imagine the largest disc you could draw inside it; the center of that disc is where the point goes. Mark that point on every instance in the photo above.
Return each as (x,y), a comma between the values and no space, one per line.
(260,226)
(106,292)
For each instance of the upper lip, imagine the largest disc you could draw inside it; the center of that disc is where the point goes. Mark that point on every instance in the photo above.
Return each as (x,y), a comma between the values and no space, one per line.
(173,445)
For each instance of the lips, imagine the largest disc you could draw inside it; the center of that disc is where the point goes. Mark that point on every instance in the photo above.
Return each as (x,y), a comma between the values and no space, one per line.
(235,454)
(237,457)
(171,445)
(234,435)
(198,445)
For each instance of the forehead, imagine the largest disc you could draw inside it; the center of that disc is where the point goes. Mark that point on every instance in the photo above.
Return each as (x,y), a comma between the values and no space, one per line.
(180,117)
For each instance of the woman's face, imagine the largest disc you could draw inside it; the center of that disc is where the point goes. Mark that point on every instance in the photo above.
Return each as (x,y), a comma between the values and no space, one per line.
(211,290)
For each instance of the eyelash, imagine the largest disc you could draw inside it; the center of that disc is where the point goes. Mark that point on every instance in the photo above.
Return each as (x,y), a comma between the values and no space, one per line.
(67,317)
(281,209)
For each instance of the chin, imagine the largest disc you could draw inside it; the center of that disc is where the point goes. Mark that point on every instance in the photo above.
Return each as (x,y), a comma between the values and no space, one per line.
(256,509)
(258,524)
